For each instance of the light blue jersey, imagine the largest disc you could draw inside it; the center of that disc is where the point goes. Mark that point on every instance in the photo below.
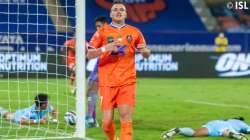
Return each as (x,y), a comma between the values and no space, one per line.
(239,126)
(217,127)
(30,114)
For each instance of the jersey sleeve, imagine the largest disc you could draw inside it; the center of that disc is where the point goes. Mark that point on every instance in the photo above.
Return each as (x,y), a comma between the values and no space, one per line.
(248,129)
(50,108)
(245,128)
(140,41)
(25,115)
(96,40)
(21,115)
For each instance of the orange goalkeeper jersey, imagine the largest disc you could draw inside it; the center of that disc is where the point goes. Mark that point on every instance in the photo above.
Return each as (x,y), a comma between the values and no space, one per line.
(117,69)
(71,55)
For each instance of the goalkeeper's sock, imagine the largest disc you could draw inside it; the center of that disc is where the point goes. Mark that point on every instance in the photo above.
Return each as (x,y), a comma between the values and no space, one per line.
(92,97)
(186,131)
(109,130)
(126,131)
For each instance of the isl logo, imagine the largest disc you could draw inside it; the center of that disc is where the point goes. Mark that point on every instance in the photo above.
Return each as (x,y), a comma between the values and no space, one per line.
(237,5)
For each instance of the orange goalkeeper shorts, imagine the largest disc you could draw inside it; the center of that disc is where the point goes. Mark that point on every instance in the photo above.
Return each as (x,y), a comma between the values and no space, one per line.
(111,97)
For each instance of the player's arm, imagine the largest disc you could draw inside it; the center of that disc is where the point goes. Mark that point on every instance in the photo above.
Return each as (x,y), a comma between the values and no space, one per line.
(70,43)
(141,46)
(96,42)
(93,53)
(145,52)
(25,121)
(54,114)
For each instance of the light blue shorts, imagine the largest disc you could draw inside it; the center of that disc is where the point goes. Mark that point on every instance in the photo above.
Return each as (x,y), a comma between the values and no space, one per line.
(217,128)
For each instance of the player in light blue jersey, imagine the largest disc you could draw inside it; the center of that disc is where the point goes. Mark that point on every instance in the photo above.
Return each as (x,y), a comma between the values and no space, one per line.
(233,128)
(239,125)
(36,114)
(91,120)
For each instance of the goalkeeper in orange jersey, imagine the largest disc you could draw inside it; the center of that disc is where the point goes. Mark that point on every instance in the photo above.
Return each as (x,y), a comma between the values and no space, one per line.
(116,45)
(71,61)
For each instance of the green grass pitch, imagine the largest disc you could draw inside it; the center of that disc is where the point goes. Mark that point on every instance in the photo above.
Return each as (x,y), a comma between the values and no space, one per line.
(161,104)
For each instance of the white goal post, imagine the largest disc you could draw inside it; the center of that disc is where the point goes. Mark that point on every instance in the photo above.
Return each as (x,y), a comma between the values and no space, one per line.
(80,68)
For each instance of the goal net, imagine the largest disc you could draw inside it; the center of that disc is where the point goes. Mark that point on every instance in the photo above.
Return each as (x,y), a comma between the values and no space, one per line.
(33,60)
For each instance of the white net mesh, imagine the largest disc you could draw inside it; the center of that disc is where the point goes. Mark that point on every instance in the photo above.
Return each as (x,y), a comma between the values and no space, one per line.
(33,60)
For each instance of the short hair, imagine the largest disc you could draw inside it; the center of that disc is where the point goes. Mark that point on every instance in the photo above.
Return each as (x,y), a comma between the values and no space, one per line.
(118,2)
(239,118)
(101,19)
(40,99)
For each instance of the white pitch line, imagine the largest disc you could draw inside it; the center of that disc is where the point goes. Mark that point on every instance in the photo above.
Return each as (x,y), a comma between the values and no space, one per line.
(217,104)
(43,130)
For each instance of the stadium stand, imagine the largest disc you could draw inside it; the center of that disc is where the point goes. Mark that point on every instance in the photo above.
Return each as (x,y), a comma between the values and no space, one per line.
(231,20)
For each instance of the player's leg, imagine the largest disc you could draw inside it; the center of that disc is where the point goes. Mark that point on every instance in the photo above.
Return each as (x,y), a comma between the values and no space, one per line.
(8,116)
(72,78)
(92,97)
(232,134)
(126,112)
(107,95)
(170,133)
(126,103)
(186,131)
(203,131)
(5,114)
(108,124)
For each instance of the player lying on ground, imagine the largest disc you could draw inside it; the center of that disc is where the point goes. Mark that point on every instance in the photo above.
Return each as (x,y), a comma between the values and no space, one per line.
(234,128)
(36,114)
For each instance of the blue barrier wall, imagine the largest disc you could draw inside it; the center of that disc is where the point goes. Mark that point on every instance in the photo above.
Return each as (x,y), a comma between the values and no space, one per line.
(178,15)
